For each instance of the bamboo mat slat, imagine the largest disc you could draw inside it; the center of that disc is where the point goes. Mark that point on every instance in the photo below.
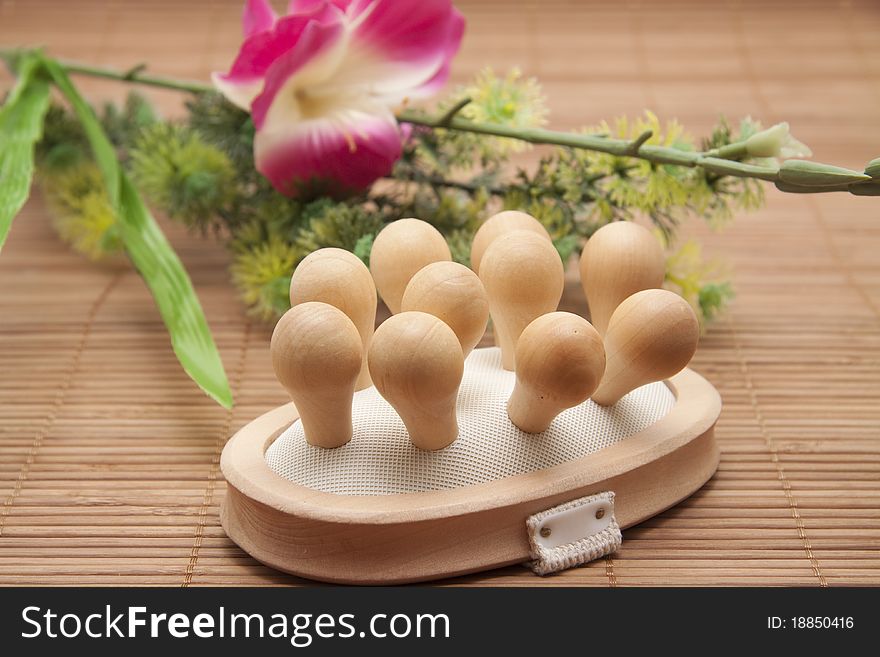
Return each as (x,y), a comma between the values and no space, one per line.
(109,455)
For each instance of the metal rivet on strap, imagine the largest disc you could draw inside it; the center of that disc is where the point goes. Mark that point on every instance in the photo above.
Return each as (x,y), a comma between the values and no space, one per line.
(600,514)
(545,532)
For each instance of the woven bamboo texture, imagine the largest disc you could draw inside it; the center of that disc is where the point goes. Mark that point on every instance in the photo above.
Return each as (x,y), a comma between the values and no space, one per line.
(109,455)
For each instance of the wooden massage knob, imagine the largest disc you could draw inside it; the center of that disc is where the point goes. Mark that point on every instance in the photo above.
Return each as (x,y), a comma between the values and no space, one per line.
(651,336)
(523,276)
(401,249)
(453,293)
(416,363)
(559,363)
(338,277)
(498,224)
(316,355)
(620,259)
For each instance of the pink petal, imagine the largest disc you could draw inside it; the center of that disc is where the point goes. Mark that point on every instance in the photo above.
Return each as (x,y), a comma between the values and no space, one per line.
(452,45)
(340,155)
(258,17)
(311,49)
(260,50)
(400,49)
(300,6)
(404,31)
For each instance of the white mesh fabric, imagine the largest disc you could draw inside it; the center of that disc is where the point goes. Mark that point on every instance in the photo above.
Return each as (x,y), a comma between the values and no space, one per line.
(381,460)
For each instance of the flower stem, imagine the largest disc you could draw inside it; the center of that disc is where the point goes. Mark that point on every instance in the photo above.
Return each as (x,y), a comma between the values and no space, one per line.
(620,147)
(454,184)
(135,75)
(723,161)
(734,151)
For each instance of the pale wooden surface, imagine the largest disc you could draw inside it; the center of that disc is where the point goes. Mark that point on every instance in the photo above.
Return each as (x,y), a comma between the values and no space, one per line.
(560,360)
(451,292)
(109,454)
(399,251)
(652,335)
(340,278)
(620,259)
(416,364)
(416,536)
(317,354)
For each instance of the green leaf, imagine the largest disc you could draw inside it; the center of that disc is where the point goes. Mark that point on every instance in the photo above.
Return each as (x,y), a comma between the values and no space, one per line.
(173,292)
(153,256)
(21,125)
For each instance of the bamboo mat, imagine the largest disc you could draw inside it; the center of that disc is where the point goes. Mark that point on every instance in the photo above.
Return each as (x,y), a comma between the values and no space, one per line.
(109,454)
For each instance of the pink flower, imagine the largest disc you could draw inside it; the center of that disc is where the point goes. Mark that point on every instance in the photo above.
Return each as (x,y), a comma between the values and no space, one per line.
(321,82)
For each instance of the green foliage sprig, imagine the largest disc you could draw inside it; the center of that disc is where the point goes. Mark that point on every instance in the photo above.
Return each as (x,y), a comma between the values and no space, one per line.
(201,173)
(182,174)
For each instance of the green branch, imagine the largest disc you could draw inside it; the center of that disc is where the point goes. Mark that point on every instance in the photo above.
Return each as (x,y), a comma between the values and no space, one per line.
(436,181)
(134,75)
(793,176)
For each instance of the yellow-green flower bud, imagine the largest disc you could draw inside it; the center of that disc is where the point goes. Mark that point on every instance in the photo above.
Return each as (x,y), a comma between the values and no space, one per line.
(814,189)
(870,188)
(814,174)
(873,168)
(776,141)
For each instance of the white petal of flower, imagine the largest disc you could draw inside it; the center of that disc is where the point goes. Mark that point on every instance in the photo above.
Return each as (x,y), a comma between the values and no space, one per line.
(239,94)
(794,148)
(776,141)
(768,143)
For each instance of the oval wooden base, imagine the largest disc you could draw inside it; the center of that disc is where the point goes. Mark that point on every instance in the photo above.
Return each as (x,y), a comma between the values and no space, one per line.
(391,539)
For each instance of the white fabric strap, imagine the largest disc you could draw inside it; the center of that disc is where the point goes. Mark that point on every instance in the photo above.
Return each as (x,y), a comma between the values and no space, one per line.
(573,533)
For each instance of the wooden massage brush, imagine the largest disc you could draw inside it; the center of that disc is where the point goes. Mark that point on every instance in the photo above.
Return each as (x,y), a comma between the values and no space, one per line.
(408,454)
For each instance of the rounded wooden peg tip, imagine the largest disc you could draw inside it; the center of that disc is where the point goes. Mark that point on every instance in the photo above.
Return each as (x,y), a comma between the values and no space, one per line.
(416,363)
(651,336)
(559,363)
(453,293)
(401,249)
(316,354)
(620,259)
(523,276)
(341,279)
(497,225)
